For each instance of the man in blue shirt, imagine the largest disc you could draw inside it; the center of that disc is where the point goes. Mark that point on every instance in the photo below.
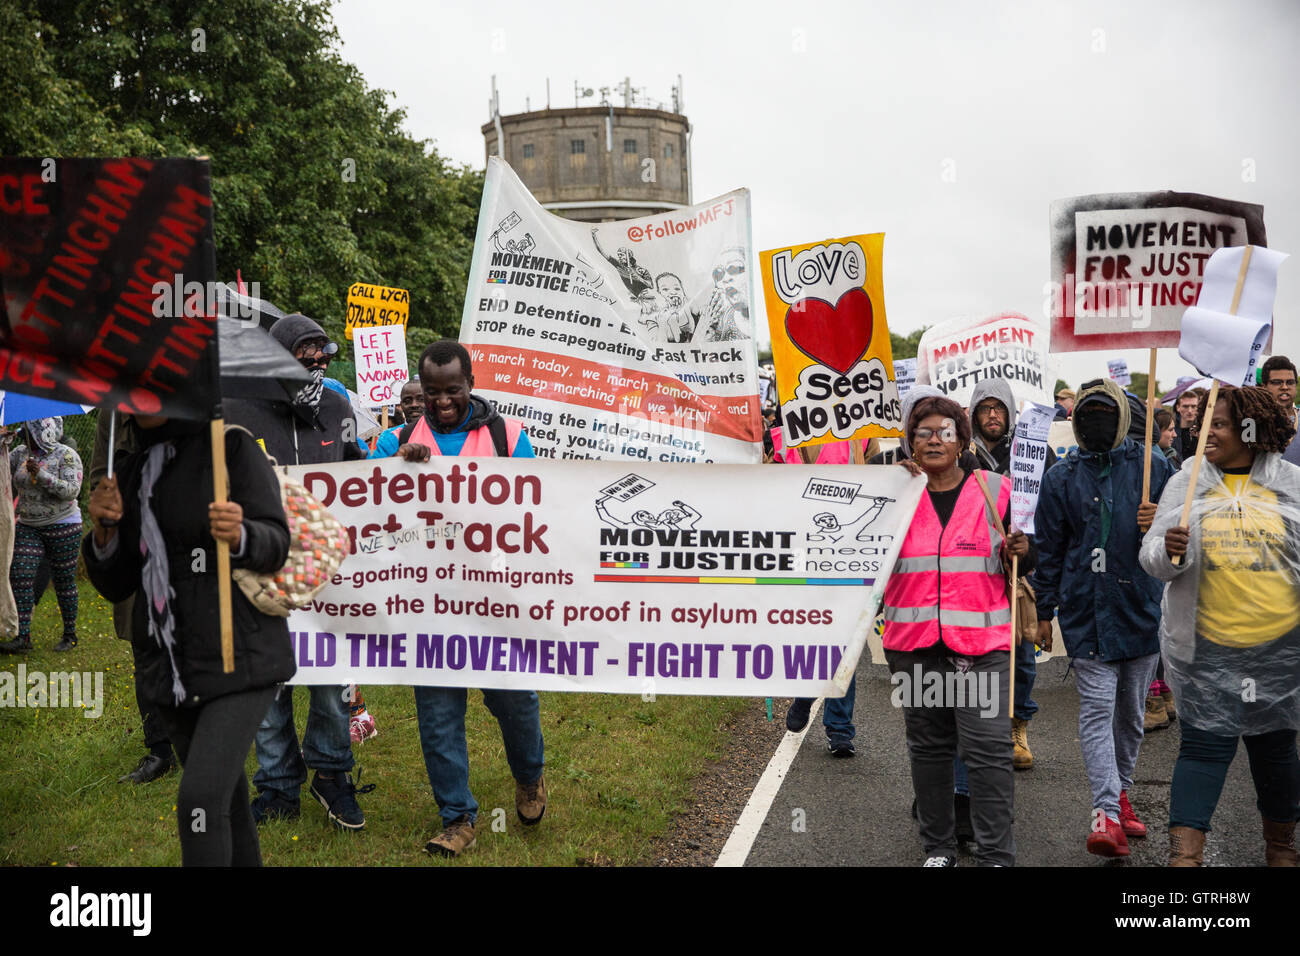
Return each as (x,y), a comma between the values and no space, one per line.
(457,422)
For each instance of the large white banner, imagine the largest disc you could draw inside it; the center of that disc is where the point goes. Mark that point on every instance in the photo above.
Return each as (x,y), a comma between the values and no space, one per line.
(621,340)
(955,356)
(602,576)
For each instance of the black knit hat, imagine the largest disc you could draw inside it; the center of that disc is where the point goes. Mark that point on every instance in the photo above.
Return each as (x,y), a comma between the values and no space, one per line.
(293,330)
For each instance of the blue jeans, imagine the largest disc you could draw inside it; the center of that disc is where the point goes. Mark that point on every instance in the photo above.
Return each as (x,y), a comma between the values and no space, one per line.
(1026,671)
(837,714)
(326,743)
(1202,768)
(441,715)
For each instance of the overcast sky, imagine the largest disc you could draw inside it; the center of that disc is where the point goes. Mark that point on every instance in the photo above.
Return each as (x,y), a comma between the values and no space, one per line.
(844,118)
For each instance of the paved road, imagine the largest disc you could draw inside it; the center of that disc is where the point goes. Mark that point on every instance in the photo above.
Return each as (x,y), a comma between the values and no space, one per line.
(855,812)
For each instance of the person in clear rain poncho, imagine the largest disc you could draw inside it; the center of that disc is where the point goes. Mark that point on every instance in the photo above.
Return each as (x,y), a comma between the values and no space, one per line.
(1230,626)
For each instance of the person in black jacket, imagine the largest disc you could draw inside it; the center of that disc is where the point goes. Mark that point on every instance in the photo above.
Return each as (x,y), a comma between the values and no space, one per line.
(163,545)
(317,427)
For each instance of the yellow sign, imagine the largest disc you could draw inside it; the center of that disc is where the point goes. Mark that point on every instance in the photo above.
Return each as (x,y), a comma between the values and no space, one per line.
(830,341)
(375,305)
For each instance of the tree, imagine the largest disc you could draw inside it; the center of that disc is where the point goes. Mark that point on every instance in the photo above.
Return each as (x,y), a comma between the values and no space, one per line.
(904,346)
(315,184)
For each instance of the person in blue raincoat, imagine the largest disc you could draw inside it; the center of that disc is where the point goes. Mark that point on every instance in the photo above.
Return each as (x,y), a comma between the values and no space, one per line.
(1089,526)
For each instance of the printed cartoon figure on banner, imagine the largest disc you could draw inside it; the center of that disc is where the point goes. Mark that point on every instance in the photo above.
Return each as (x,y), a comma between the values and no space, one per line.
(593,576)
(622,340)
(830,341)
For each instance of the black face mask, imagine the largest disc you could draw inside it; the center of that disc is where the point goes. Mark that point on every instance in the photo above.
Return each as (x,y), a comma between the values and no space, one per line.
(1097,426)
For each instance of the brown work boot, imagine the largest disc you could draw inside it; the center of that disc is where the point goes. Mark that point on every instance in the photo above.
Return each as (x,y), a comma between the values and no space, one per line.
(455,837)
(1186,846)
(530,801)
(1167,696)
(1156,717)
(1279,843)
(1021,758)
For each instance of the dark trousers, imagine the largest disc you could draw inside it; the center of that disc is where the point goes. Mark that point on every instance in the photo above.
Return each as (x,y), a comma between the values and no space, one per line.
(1202,767)
(212,812)
(935,734)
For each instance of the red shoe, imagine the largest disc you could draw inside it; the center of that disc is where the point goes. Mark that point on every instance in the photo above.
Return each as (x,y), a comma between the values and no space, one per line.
(1128,820)
(1108,842)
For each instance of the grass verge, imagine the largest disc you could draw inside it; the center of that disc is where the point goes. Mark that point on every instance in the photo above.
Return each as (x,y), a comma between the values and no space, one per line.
(617,767)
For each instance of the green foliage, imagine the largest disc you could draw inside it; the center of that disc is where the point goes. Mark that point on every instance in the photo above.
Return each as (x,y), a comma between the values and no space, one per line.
(904,346)
(315,184)
(1060,384)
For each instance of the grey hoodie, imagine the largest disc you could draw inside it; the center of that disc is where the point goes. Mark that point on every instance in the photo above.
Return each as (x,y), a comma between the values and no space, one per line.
(999,389)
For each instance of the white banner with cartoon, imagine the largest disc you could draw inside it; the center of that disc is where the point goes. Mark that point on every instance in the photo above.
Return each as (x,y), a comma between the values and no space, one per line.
(630,340)
(602,576)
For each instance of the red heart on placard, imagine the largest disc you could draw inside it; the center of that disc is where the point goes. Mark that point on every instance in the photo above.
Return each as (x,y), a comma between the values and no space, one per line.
(835,335)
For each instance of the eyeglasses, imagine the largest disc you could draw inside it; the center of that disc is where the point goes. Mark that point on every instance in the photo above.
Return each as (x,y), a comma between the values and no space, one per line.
(948,435)
(312,349)
(993,405)
(732,270)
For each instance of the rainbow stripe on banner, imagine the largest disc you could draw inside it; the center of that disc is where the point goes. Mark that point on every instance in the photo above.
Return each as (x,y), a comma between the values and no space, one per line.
(624,564)
(684,579)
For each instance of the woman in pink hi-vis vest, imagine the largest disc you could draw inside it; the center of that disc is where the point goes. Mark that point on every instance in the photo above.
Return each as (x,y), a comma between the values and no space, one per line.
(947,637)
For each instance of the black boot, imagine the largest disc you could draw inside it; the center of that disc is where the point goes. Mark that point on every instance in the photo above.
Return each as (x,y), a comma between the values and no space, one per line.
(68,643)
(19,645)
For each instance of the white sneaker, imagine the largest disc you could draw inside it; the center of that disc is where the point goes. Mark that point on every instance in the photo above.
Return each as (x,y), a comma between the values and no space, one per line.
(940,861)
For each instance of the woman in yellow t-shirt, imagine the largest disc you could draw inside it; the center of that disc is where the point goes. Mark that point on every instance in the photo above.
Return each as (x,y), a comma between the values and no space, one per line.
(1230,624)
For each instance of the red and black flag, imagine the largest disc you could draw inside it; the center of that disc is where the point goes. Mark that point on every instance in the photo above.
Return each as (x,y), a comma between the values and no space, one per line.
(107,267)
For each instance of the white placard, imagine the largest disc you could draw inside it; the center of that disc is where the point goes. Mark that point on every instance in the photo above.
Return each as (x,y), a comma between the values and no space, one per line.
(381,363)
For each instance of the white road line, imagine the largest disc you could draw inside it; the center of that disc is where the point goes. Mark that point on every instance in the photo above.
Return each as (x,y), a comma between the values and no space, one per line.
(760,801)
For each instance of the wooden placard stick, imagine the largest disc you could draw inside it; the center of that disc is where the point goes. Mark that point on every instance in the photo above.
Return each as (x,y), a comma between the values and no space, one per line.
(1151,415)
(1011,685)
(1209,407)
(220,493)
(857,452)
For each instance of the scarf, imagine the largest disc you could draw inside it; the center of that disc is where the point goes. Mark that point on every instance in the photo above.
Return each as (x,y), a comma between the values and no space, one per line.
(309,395)
(155,577)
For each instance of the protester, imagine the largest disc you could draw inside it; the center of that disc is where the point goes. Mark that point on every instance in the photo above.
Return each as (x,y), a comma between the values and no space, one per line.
(47,480)
(163,544)
(1167,435)
(1064,404)
(965,831)
(993,429)
(159,758)
(457,422)
(412,398)
(1279,377)
(1089,526)
(1186,409)
(317,427)
(946,613)
(1231,630)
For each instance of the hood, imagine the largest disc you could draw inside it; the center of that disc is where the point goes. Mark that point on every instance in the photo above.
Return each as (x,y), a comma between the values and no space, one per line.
(482,411)
(42,435)
(914,395)
(293,330)
(1137,427)
(992,388)
(1105,389)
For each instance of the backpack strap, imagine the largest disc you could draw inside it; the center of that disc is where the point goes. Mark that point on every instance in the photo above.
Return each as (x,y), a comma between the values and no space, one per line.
(497,429)
(994,517)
